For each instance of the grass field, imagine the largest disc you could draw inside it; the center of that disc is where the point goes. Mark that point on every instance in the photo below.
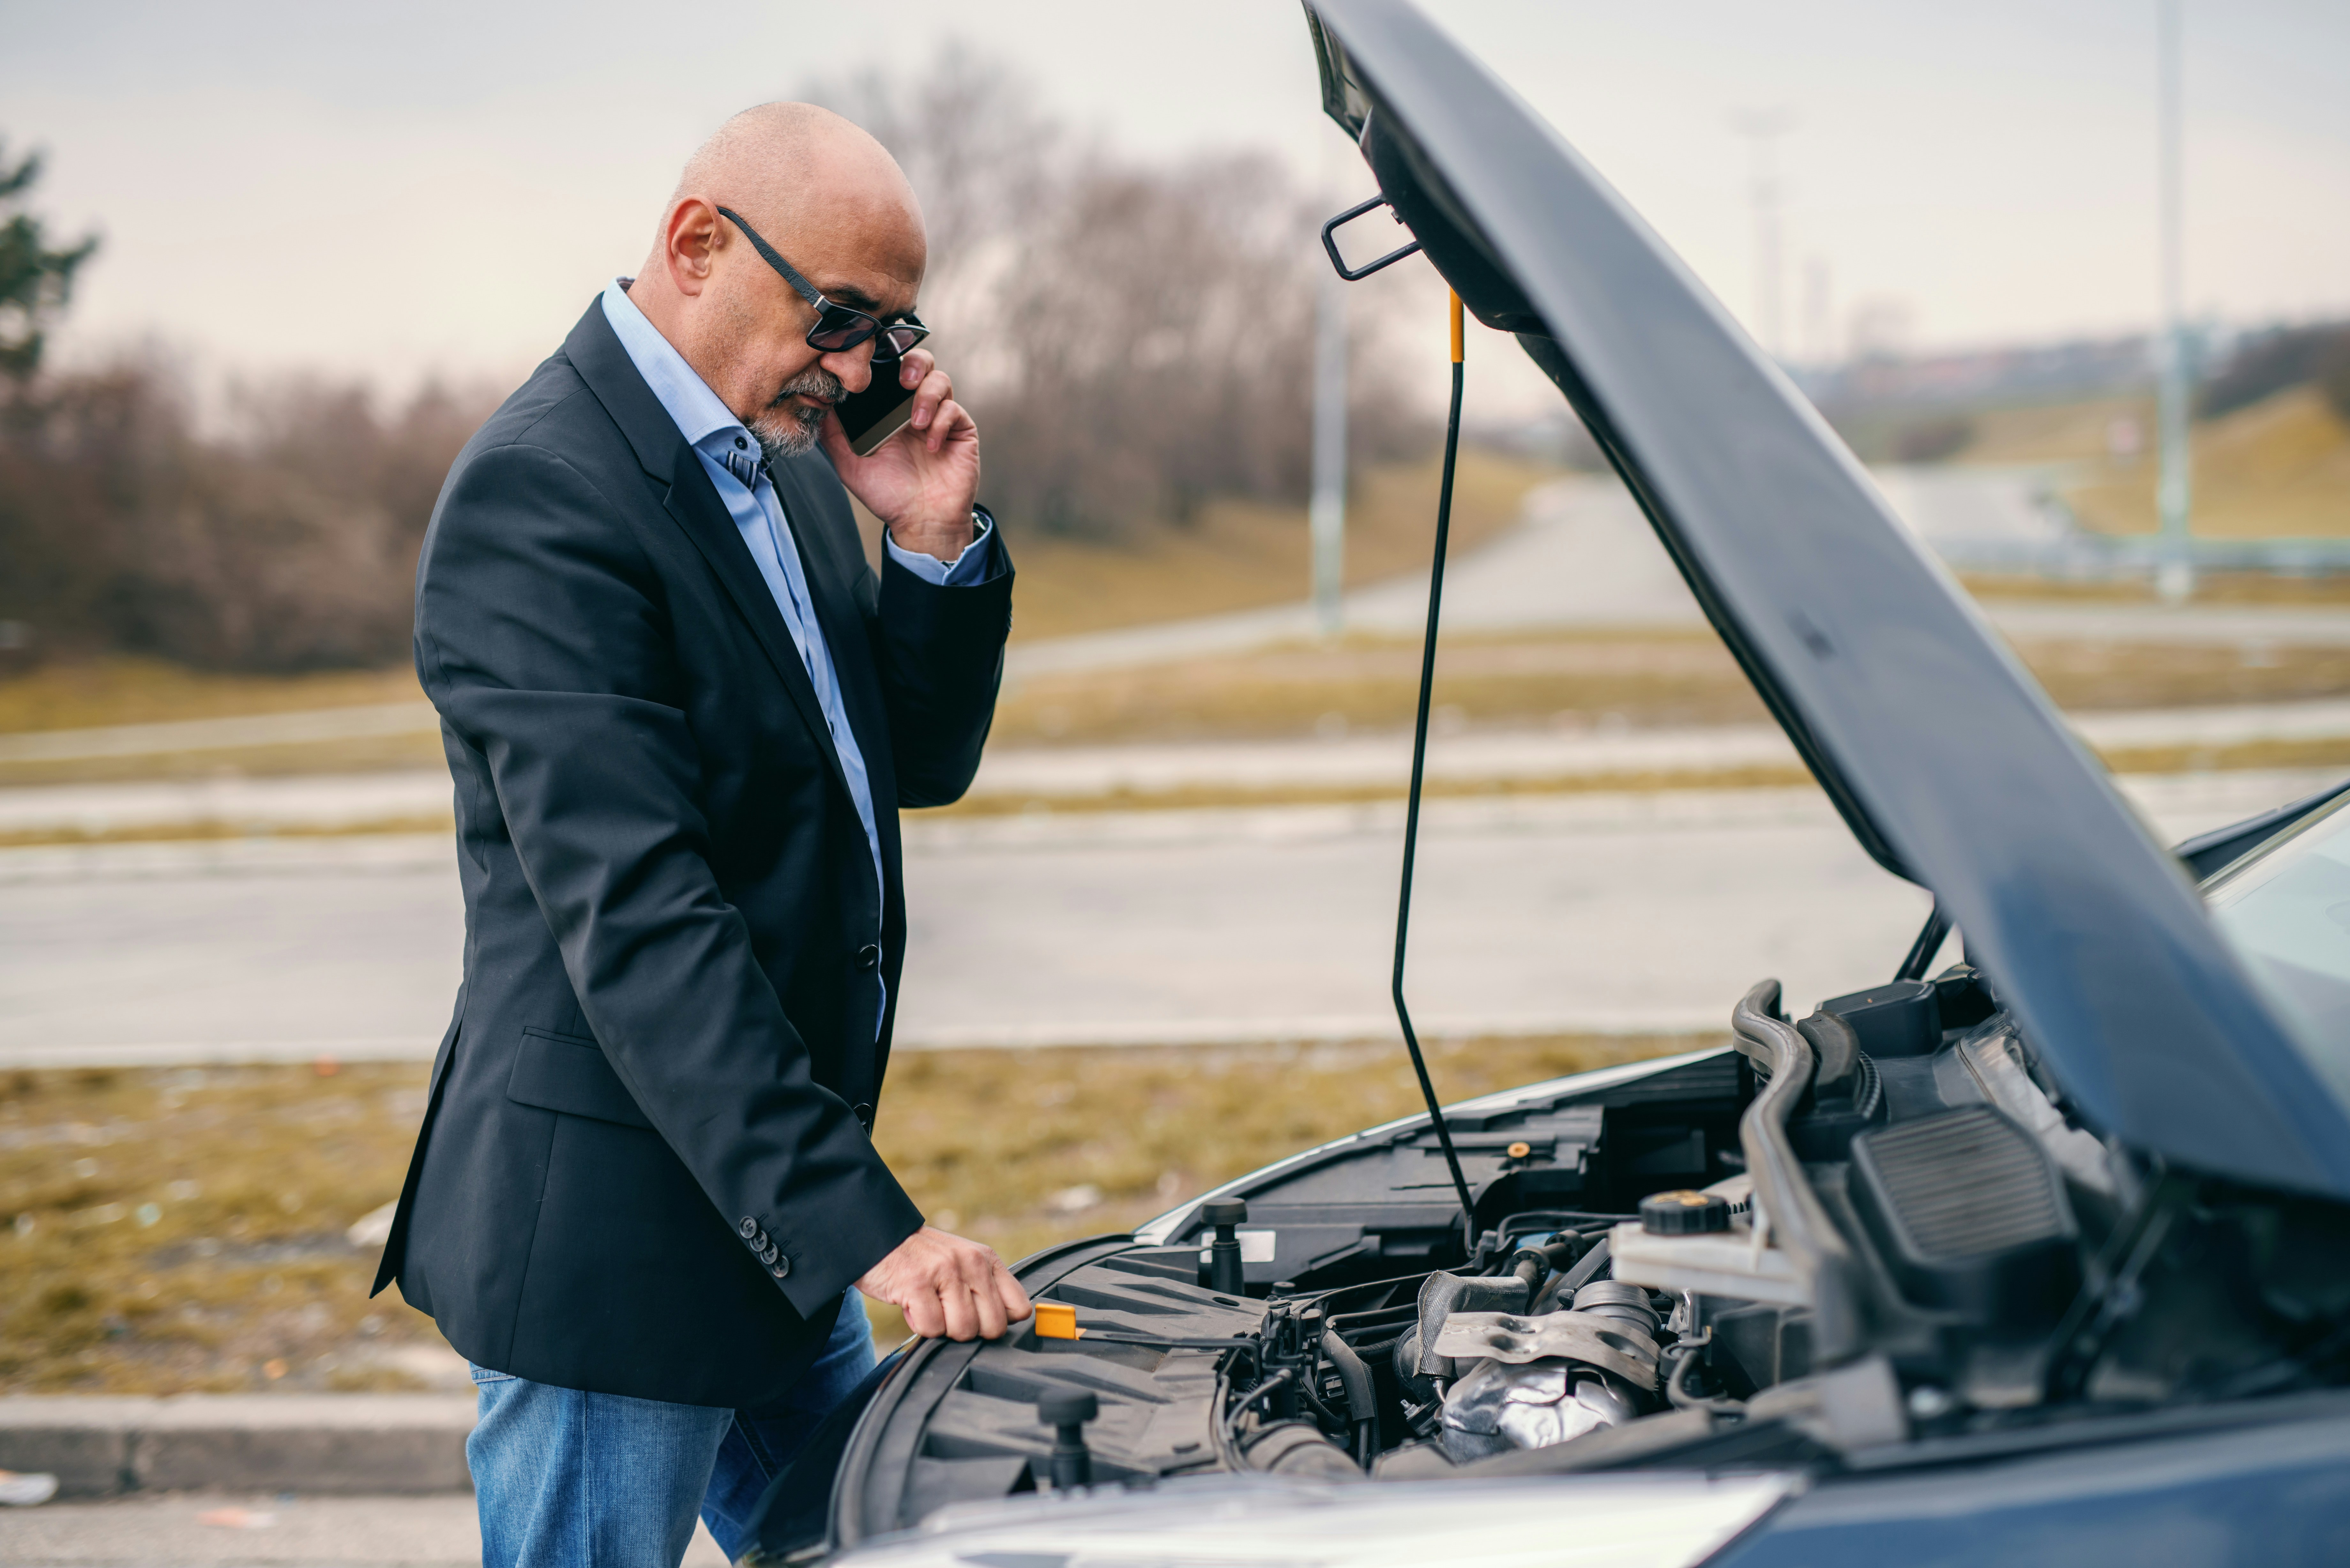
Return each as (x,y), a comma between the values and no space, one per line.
(124,690)
(172,1230)
(2210,588)
(1238,555)
(2279,468)
(1575,682)
(1578,681)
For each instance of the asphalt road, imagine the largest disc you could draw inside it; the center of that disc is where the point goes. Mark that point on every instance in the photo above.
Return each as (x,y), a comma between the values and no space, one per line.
(1584,556)
(1595,911)
(197,1529)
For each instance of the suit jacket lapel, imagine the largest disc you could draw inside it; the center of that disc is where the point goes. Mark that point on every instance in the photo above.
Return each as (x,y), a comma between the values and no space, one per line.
(693,501)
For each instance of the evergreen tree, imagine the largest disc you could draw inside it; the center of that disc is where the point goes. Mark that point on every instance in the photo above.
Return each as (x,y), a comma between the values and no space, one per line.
(35,281)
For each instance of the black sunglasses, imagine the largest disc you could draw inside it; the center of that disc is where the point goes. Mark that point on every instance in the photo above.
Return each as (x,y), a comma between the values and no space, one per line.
(837,326)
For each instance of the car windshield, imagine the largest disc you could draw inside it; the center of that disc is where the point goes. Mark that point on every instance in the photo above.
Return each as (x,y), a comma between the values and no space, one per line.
(2286,909)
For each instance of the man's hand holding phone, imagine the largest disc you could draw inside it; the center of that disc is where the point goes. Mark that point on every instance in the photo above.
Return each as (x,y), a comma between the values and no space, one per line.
(947,1287)
(923,482)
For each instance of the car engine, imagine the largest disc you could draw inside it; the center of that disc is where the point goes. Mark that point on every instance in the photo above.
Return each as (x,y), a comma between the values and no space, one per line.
(1871,1230)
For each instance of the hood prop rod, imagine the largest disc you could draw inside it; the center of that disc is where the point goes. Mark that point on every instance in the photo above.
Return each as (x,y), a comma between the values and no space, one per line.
(1411,807)
(1930,942)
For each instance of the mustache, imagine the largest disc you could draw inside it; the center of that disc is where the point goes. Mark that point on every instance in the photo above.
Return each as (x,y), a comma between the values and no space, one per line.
(815,382)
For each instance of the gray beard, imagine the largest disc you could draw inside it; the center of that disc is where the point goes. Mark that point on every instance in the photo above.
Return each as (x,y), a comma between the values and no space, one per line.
(787,430)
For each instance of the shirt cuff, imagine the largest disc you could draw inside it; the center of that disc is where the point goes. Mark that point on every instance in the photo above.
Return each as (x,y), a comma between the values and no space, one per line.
(975,565)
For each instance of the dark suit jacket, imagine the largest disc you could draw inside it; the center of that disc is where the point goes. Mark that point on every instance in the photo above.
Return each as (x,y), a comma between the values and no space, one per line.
(646,1167)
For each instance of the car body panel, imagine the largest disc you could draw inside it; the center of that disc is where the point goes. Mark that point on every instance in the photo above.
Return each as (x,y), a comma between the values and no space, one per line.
(2270,1492)
(1246,1521)
(1948,761)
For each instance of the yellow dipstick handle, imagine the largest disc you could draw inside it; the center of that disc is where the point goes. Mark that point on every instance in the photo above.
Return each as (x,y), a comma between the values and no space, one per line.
(1057,1320)
(1457,354)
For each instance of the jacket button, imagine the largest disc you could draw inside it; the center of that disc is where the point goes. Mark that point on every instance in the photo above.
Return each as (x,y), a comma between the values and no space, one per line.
(748,1228)
(869,956)
(780,1267)
(768,1255)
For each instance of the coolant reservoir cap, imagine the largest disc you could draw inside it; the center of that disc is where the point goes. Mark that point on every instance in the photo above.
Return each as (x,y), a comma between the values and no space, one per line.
(1684,1212)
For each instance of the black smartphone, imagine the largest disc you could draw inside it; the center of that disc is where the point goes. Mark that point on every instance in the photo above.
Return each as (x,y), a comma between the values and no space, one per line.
(872,416)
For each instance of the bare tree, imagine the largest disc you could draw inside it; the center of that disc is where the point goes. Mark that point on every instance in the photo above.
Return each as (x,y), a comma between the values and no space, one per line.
(291,545)
(1135,337)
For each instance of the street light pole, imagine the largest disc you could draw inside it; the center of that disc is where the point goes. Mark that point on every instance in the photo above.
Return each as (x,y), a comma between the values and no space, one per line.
(2175,578)
(1327,515)
(1763,128)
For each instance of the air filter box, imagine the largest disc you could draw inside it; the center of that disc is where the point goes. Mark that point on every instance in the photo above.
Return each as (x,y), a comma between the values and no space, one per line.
(1900,1018)
(1970,1215)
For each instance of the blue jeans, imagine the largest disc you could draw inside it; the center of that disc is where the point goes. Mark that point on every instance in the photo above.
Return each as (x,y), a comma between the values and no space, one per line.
(570,1480)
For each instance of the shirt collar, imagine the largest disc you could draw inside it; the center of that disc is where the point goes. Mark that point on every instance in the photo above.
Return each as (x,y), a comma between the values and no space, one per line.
(697,409)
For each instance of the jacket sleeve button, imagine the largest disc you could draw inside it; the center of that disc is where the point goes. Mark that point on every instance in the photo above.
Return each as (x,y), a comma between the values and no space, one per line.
(864,1115)
(868,956)
(768,1253)
(780,1267)
(748,1228)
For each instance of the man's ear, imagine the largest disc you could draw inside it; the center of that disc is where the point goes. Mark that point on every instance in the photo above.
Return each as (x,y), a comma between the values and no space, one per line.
(689,241)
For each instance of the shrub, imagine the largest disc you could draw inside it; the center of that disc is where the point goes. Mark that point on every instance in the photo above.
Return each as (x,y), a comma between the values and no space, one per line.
(2267,363)
(289,543)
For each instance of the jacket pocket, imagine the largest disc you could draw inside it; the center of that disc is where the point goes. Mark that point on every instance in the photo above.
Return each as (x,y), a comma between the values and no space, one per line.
(567,1074)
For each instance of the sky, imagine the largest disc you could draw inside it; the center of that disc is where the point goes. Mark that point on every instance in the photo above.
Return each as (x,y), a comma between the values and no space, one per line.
(396,191)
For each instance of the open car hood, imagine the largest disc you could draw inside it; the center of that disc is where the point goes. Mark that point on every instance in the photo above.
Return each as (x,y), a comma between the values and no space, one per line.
(1943,755)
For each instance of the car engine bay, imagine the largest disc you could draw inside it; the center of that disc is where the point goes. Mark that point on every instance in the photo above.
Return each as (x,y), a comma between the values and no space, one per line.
(1873,1232)
(1877,1238)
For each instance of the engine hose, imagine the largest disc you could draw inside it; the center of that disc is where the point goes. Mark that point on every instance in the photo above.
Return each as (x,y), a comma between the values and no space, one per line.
(1799,1222)
(1562,1287)
(1355,1377)
(1676,1393)
(1278,1381)
(1377,1317)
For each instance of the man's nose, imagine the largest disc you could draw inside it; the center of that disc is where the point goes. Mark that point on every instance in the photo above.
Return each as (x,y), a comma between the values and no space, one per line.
(853,368)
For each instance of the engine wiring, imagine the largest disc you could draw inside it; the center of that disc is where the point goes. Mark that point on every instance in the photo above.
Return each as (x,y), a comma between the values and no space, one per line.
(1686,1354)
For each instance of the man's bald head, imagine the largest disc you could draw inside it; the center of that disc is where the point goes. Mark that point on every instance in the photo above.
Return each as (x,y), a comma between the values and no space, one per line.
(792,164)
(834,203)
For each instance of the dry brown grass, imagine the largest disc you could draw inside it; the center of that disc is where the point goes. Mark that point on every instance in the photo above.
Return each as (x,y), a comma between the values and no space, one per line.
(1593,680)
(1215,798)
(182,1229)
(1243,555)
(216,832)
(2055,432)
(2210,587)
(1567,681)
(2248,755)
(2090,677)
(2318,754)
(126,691)
(237,1277)
(1373,684)
(2279,468)
(300,759)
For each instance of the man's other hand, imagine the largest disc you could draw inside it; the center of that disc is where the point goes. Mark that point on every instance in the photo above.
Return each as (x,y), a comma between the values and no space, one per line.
(948,1287)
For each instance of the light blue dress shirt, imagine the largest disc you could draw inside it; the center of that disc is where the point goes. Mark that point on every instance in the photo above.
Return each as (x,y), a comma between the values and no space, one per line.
(729,455)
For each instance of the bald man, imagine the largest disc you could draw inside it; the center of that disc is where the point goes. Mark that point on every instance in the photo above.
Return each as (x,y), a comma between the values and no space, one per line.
(681,713)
